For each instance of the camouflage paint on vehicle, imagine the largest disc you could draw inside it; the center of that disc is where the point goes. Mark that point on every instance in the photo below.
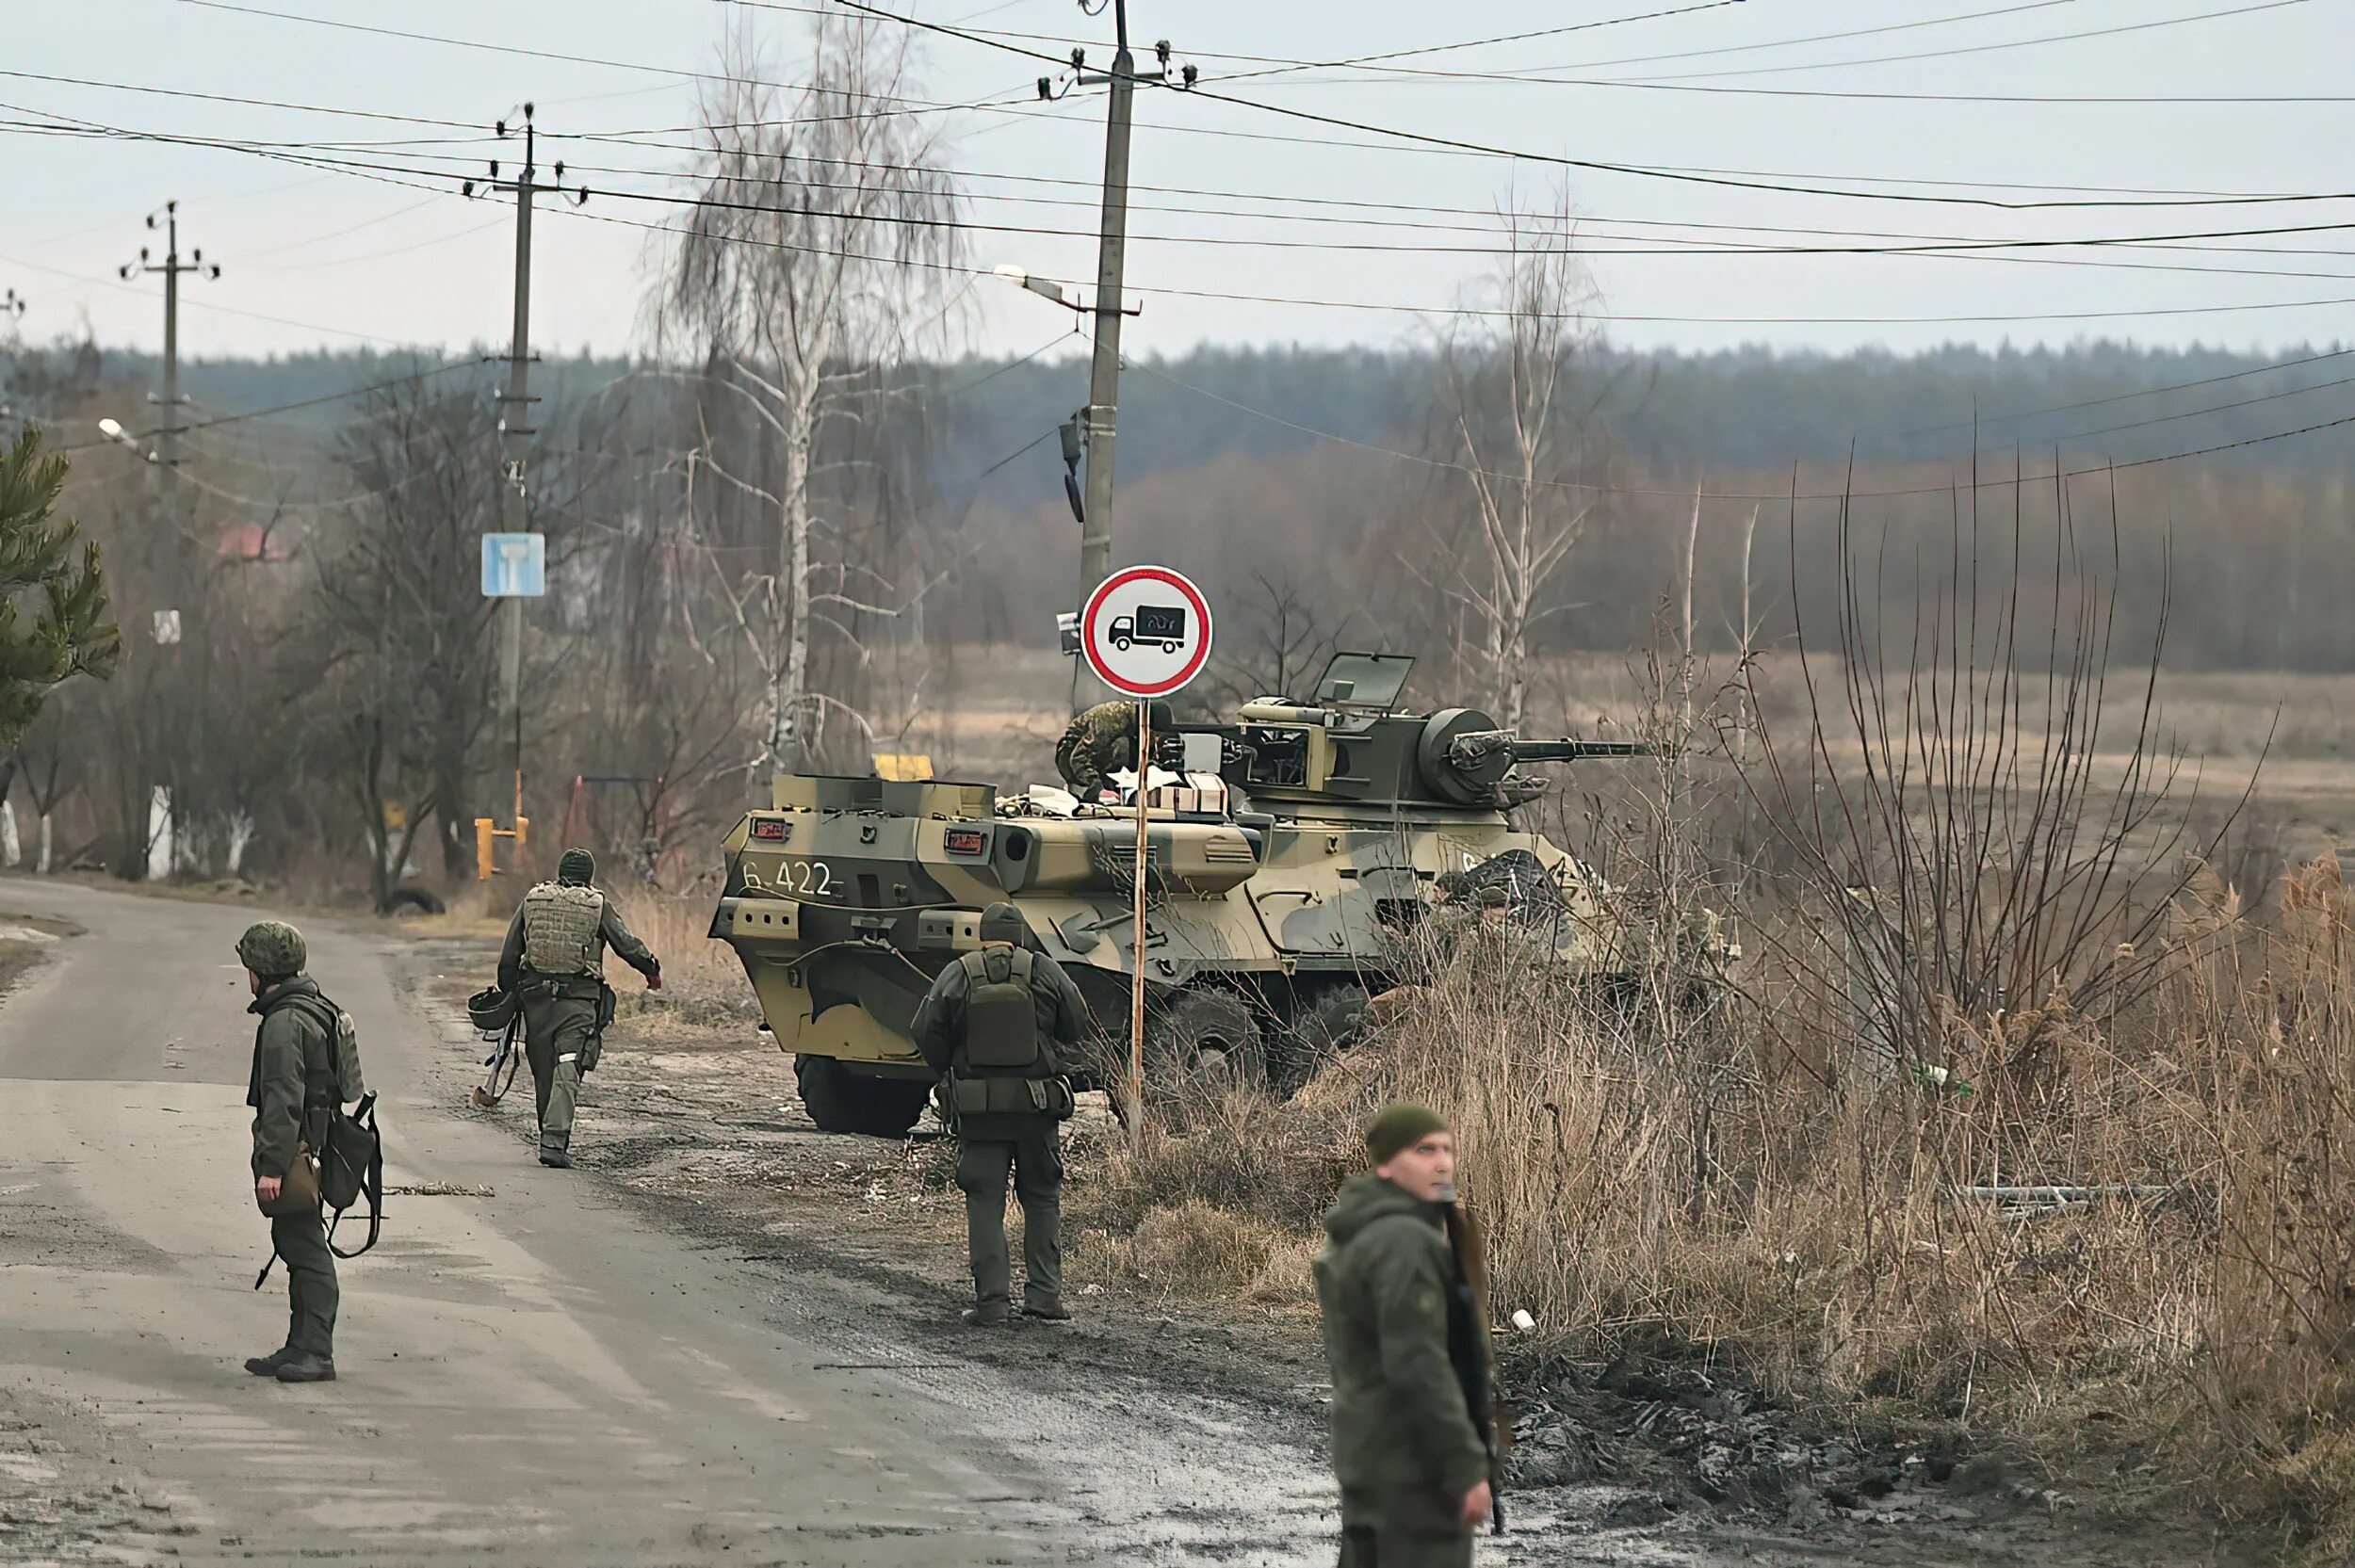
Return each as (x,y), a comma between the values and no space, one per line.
(848,894)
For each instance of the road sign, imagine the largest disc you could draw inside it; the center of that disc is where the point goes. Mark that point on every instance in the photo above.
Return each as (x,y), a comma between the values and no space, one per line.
(514,566)
(1146,631)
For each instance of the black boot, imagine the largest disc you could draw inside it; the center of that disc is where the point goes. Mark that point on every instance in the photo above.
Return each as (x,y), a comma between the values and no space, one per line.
(305,1368)
(555,1158)
(990,1314)
(267,1367)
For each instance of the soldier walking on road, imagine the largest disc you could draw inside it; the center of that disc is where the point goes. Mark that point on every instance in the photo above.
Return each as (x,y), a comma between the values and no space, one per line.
(554,961)
(1405,1335)
(992,1023)
(1100,741)
(293,1092)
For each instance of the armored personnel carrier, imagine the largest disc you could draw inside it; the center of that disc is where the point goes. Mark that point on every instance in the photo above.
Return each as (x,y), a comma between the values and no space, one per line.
(1285,876)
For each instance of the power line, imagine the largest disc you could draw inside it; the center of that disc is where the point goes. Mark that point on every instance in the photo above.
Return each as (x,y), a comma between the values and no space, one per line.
(420,375)
(914,104)
(389,172)
(1537,76)
(2013,43)
(251,102)
(209,305)
(1461,145)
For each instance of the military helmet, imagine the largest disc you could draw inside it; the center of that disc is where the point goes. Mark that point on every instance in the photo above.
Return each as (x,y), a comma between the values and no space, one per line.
(491,1008)
(272,950)
(1002,922)
(1495,897)
(576,867)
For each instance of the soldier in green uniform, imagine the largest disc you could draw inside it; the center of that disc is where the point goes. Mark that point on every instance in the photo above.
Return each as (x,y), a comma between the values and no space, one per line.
(1100,741)
(554,959)
(993,1024)
(292,1090)
(1414,1470)
(1497,951)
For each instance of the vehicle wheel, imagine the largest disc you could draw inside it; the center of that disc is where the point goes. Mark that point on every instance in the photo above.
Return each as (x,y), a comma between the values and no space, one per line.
(1169,647)
(1327,1019)
(1123,643)
(1202,1044)
(841,1101)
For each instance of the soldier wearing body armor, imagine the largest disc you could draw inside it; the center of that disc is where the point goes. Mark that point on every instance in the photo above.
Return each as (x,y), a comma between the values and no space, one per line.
(554,961)
(997,1025)
(293,1091)
(1100,741)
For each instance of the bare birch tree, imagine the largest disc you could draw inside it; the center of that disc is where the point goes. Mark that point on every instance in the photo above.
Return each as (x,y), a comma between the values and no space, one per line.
(824,229)
(1521,392)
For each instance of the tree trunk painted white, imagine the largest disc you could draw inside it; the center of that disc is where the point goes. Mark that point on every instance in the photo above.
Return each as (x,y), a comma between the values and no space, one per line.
(788,745)
(48,840)
(11,847)
(240,835)
(159,856)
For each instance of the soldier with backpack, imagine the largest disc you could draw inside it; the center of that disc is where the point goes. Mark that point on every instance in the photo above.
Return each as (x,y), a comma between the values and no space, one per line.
(306,1066)
(554,961)
(992,1023)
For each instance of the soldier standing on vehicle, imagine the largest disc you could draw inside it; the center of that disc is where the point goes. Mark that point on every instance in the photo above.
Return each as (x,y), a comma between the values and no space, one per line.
(1405,1336)
(554,961)
(996,1023)
(292,1090)
(1100,741)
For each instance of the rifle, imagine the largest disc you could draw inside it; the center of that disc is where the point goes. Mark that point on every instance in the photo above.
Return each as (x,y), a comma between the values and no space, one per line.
(1469,1349)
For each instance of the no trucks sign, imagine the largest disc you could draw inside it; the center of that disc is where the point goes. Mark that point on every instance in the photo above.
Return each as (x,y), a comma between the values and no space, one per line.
(1146,631)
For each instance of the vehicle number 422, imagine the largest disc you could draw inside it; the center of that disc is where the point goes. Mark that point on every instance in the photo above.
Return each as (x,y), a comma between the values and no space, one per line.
(805,878)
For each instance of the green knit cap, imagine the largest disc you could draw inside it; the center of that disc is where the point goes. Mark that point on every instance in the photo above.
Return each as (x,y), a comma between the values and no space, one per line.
(1400,1128)
(575,866)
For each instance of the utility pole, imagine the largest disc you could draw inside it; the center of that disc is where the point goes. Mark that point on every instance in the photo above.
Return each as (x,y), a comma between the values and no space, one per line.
(172,547)
(1103,421)
(517,431)
(167,433)
(11,312)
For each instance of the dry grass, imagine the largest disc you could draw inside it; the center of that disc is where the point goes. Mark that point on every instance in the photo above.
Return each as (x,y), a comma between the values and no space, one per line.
(1802,1220)
(703,981)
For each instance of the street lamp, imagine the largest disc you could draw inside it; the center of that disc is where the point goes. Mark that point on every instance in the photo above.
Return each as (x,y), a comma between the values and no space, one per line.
(1045,287)
(112,429)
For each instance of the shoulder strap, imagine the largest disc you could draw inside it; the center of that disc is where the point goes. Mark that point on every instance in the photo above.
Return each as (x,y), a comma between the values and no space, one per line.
(363,1115)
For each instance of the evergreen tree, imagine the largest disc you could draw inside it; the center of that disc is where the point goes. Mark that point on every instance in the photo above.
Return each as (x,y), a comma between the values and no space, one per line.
(45,562)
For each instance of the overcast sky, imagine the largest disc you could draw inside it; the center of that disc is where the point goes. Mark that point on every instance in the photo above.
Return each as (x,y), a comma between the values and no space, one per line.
(344,260)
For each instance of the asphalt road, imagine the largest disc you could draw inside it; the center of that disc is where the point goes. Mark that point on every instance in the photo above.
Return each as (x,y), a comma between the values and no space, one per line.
(540,1376)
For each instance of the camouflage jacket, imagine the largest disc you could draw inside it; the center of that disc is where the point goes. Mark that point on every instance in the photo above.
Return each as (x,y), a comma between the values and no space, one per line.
(1100,740)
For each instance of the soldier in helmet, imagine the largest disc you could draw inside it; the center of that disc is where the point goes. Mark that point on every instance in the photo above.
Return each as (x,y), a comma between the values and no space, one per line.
(554,961)
(1499,950)
(292,1090)
(1100,741)
(995,1023)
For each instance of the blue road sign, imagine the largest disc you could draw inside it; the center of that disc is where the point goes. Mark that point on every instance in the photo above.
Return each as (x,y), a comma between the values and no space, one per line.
(514,566)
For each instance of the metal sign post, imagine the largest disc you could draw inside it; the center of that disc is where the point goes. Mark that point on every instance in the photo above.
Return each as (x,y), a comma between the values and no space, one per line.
(1136,983)
(1145,633)
(514,567)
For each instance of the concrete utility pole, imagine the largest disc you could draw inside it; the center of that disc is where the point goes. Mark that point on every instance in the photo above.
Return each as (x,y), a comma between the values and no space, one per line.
(172,547)
(515,426)
(168,432)
(1103,420)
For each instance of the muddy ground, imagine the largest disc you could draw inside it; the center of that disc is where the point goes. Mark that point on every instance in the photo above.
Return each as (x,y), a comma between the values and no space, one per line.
(1652,1460)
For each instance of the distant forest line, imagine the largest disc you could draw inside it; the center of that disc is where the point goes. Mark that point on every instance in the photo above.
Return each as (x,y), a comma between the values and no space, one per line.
(1311,487)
